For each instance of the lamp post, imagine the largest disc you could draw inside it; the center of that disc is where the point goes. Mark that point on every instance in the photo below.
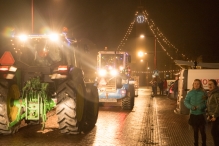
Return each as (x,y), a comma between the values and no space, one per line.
(141,55)
(147,73)
(155,50)
(155,54)
(32,15)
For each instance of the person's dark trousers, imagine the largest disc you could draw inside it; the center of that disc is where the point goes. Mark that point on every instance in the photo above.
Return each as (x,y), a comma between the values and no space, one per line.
(155,90)
(175,94)
(161,91)
(196,129)
(215,131)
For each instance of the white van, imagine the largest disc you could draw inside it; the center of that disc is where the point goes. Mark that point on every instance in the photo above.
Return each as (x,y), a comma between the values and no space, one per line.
(186,79)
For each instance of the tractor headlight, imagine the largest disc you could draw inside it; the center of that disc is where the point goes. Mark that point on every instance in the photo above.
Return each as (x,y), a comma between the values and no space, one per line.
(121,68)
(114,72)
(102,72)
(54,37)
(23,37)
(110,68)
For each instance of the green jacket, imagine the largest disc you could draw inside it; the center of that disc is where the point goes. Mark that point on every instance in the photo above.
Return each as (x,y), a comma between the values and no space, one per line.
(196,98)
(213,103)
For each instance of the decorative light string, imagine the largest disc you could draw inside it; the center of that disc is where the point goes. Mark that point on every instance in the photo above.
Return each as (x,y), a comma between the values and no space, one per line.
(125,38)
(155,36)
(158,40)
(158,35)
(155,30)
(164,71)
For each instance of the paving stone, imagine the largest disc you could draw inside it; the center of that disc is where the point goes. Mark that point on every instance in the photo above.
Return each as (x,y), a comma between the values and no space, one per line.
(152,122)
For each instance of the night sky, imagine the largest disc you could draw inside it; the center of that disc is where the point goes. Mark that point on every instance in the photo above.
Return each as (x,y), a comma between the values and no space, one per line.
(191,25)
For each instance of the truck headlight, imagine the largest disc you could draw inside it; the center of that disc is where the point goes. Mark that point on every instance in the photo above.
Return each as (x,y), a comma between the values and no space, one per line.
(114,72)
(102,72)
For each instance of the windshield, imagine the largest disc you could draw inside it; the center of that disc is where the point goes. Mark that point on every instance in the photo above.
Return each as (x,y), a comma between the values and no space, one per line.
(111,60)
(39,52)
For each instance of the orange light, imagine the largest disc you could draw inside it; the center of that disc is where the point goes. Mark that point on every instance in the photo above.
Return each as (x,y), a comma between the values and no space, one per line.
(4,68)
(62,68)
(65,29)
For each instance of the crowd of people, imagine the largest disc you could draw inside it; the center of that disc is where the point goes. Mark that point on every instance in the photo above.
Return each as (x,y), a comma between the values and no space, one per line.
(161,83)
(163,87)
(204,106)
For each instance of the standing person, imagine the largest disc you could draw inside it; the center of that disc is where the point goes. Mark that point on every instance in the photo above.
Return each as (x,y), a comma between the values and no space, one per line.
(196,101)
(165,86)
(153,84)
(213,109)
(175,88)
(160,85)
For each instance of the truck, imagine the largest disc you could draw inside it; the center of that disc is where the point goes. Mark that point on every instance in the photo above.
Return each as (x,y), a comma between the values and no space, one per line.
(113,76)
(186,78)
(40,73)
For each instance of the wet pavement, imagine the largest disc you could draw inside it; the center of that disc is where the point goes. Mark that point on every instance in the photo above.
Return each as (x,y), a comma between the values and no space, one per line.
(151,122)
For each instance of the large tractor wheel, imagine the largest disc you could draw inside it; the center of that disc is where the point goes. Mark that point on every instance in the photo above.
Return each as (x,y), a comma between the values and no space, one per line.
(8,112)
(70,106)
(92,106)
(128,101)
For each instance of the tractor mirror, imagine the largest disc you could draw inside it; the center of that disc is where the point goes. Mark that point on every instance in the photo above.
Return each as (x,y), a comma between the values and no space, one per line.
(129,59)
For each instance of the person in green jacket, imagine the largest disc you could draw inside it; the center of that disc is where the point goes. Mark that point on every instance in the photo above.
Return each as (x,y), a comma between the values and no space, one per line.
(196,101)
(213,109)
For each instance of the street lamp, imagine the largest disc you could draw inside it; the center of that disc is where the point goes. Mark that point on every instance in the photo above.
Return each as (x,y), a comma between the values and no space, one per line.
(141,36)
(155,50)
(147,68)
(141,54)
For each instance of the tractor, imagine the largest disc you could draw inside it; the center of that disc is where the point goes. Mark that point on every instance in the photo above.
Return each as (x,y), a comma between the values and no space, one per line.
(40,73)
(113,79)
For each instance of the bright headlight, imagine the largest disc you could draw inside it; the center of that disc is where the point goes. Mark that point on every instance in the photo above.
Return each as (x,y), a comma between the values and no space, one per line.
(121,68)
(102,72)
(53,37)
(114,72)
(22,37)
(110,67)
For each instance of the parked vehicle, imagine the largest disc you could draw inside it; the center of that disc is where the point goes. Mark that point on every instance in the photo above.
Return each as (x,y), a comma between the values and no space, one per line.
(186,79)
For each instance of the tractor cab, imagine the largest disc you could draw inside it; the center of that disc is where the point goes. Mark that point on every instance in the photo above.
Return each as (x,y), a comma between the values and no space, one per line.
(113,75)
(112,69)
